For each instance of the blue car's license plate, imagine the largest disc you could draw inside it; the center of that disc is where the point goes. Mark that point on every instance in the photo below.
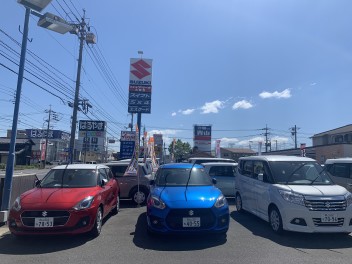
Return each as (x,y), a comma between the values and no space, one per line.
(191,222)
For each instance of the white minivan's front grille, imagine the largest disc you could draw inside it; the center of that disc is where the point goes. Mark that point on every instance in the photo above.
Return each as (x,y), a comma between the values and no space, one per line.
(326,204)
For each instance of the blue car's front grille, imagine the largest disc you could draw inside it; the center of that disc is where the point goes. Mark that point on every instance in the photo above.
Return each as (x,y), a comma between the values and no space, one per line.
(175,217)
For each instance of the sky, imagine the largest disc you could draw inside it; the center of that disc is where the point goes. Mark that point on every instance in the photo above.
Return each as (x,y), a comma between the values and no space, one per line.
(239,66)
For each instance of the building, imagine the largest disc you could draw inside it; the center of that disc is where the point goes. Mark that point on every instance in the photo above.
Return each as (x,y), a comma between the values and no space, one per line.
(57,147)
(335,143)
(235,153)
(23,150)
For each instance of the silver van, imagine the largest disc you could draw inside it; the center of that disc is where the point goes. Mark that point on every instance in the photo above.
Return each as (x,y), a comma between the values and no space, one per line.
(224,173)
(340,171)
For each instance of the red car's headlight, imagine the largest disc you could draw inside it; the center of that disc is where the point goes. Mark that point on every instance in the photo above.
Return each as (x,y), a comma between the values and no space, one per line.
(17,204)
(85,203)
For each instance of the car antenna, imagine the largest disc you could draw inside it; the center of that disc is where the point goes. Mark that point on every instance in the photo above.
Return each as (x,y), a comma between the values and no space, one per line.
(189,177)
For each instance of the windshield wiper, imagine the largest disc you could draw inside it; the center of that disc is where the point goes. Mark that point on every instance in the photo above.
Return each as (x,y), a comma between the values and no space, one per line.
(299,167)
(324,169)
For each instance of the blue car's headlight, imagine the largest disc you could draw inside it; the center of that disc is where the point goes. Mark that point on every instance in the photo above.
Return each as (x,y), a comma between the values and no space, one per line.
(157,202)
(85,203)
(220,202)
(292,197)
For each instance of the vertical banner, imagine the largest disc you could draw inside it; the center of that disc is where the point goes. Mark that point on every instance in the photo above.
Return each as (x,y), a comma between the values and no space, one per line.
(145,147)
(303,149)
(173,150)
(217,148)
(132,169)
(43,148)
(260,143)
(140,86)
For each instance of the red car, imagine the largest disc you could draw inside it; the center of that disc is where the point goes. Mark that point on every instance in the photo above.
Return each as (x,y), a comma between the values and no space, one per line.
(70,199)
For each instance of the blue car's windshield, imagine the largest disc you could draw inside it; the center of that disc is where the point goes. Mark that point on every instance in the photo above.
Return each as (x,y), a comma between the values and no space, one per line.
(70,178)
(181,176)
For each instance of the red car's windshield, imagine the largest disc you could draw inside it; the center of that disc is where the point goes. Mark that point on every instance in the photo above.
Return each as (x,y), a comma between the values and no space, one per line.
(70,178)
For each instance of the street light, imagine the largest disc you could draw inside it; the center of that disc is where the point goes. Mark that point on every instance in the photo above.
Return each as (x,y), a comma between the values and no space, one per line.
(55,23)
(37,5)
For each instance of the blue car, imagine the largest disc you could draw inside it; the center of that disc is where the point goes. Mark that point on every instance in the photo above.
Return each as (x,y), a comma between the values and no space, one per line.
(183,199)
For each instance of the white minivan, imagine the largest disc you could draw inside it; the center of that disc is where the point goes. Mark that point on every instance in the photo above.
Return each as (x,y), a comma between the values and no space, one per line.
(292,193)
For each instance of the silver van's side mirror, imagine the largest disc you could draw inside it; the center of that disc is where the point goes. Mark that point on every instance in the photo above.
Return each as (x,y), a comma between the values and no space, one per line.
(260,176)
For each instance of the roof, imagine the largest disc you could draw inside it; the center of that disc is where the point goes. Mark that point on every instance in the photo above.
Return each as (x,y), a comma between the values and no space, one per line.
(219,164)
(277,158)
(210,159)
(343,129)
(18,141)
(180,166)
(339,160)
(239,150)
(80,166)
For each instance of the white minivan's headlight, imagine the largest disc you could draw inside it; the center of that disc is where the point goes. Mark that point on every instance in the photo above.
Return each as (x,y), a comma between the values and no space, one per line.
(292,197)
(17,204)
(85,203)
(348,198)
(220,202)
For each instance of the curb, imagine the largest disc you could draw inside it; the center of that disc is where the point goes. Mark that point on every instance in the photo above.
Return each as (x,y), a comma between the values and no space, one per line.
(3,230)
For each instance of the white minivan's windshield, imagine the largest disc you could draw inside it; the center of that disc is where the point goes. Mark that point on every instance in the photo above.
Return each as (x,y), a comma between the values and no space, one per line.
(299,173)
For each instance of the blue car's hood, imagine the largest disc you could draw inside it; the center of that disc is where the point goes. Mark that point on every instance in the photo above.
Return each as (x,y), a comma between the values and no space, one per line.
(179,197)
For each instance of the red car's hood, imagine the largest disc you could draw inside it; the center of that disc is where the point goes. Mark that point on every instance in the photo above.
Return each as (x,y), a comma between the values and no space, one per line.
(55,197)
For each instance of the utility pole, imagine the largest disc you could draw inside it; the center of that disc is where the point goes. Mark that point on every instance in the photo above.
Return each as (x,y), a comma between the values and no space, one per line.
(294,133)
(267,143)
(82,35)
(54,116)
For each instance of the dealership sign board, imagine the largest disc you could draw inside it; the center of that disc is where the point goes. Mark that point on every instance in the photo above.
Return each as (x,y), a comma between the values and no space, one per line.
(140,86)
(92,135)
(52,134)
(127,143)
(202,138)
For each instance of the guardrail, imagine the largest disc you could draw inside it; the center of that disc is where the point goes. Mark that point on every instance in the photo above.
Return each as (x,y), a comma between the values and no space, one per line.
(20,184)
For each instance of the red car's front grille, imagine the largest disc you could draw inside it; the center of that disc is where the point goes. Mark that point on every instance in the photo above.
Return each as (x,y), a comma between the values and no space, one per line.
(60,217)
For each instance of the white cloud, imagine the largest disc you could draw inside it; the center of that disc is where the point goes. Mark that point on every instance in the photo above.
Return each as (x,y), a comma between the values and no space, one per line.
(212,107)
(284,94)
(251,142)
(313,84)
(244,104)
(187,111)
(279,140)
(226,141)
(174,114)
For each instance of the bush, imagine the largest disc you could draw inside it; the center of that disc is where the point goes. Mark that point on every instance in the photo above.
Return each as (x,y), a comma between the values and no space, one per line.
(2,166)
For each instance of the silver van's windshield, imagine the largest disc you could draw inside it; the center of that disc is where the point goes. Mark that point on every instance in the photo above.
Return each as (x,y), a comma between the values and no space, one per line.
(299,173)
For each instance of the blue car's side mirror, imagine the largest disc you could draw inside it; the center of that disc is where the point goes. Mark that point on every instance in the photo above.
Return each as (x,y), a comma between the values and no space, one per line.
(214,181)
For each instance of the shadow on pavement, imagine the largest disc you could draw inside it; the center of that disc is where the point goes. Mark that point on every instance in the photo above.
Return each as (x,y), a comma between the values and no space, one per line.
(261,228)
(31,245)
(173,242)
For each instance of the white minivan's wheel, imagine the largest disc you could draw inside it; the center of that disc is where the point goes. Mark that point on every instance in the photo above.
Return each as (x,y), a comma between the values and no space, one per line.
(239,207)
(275,220)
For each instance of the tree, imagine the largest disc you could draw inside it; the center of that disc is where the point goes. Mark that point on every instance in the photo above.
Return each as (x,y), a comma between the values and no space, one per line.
(181,150)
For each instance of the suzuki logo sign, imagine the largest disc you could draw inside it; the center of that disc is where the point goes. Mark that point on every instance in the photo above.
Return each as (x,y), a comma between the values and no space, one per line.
(140,69)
